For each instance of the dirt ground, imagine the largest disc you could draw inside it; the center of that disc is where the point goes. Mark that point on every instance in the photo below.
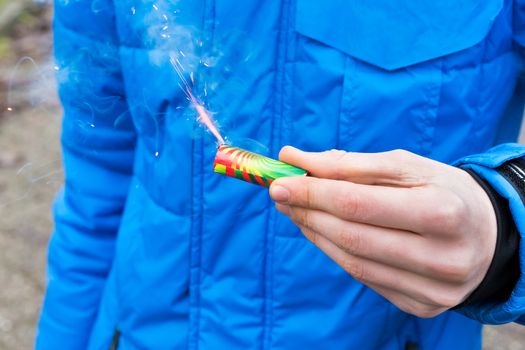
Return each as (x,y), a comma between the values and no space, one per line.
(30,174)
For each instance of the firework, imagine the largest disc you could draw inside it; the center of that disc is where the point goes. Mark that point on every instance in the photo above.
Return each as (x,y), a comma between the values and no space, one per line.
(251,167)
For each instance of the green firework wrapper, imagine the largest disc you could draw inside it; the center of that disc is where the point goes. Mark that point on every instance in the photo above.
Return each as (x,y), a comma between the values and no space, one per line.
(251,167)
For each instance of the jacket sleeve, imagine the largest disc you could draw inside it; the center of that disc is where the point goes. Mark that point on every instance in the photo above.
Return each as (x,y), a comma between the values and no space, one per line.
(503,167)
(98,142)
(494,167)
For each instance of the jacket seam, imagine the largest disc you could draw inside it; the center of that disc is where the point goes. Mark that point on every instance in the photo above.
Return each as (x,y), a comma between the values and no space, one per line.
(431,111)
(476,125)
(197,210)
(275,138)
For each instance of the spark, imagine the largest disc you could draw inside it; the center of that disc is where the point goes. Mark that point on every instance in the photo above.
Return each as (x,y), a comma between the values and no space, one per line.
(204,114)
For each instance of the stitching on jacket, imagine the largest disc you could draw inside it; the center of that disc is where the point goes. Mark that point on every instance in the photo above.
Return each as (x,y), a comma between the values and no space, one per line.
(437,108)
(275,137)
(348,114)
(208,26)
(430,113)
(476,125)
(196,235)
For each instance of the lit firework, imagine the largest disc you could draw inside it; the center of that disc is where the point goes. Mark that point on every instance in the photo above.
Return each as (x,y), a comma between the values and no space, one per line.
(251,167)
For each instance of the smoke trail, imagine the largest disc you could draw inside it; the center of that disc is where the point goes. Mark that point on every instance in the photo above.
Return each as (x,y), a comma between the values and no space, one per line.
(181,44)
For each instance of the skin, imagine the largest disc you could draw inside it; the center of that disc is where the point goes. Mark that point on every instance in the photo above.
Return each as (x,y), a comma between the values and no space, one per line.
(419,232)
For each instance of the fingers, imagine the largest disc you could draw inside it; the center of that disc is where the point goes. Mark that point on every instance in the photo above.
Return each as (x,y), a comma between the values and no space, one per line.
(383,277)
(401,249)
(404,225)
(395,168)
(397,248)
(401,208)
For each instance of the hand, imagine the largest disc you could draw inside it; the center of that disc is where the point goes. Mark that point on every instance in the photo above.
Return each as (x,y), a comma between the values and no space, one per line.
(419,232)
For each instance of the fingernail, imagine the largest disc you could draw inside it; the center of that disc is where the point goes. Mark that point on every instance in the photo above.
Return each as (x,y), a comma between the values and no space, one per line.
(285,209)
(279,194)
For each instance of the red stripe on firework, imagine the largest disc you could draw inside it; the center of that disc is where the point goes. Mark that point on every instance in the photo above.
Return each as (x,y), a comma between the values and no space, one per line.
(259,180)
(246,176)
(230,172)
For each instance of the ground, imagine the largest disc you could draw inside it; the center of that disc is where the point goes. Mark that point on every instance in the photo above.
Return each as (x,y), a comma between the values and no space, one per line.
(29,176)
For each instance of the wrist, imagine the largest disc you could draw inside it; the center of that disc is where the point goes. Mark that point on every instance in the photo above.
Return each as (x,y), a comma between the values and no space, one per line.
(503,272)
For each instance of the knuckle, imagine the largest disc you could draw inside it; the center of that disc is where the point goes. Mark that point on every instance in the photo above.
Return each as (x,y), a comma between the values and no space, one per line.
(356,270)
(306,218)
(456,297)
(311,235)
(349,241)
(427,312)
(294,215)
(450,215)
(418,309)
(460,273)
(340,161)
(445,299)
(314,237)
(454,270)
(348,206)
(458,209)
(399,154)
(301,216)
(336,154)
(308,197)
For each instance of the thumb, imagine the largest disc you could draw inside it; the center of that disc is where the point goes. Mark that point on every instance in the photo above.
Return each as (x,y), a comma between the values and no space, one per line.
(394,168)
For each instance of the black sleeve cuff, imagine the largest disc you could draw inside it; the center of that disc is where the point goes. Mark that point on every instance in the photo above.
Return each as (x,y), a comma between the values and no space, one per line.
(504,271)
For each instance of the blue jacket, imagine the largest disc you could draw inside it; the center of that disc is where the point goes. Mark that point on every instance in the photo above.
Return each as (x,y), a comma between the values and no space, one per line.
(153,249)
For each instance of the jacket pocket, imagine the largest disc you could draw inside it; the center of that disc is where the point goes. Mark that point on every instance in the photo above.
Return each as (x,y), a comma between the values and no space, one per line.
(411,72)
(397,33)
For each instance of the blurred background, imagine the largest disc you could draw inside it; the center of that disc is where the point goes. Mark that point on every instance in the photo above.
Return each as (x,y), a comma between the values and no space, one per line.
(30,170)
(30,173)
